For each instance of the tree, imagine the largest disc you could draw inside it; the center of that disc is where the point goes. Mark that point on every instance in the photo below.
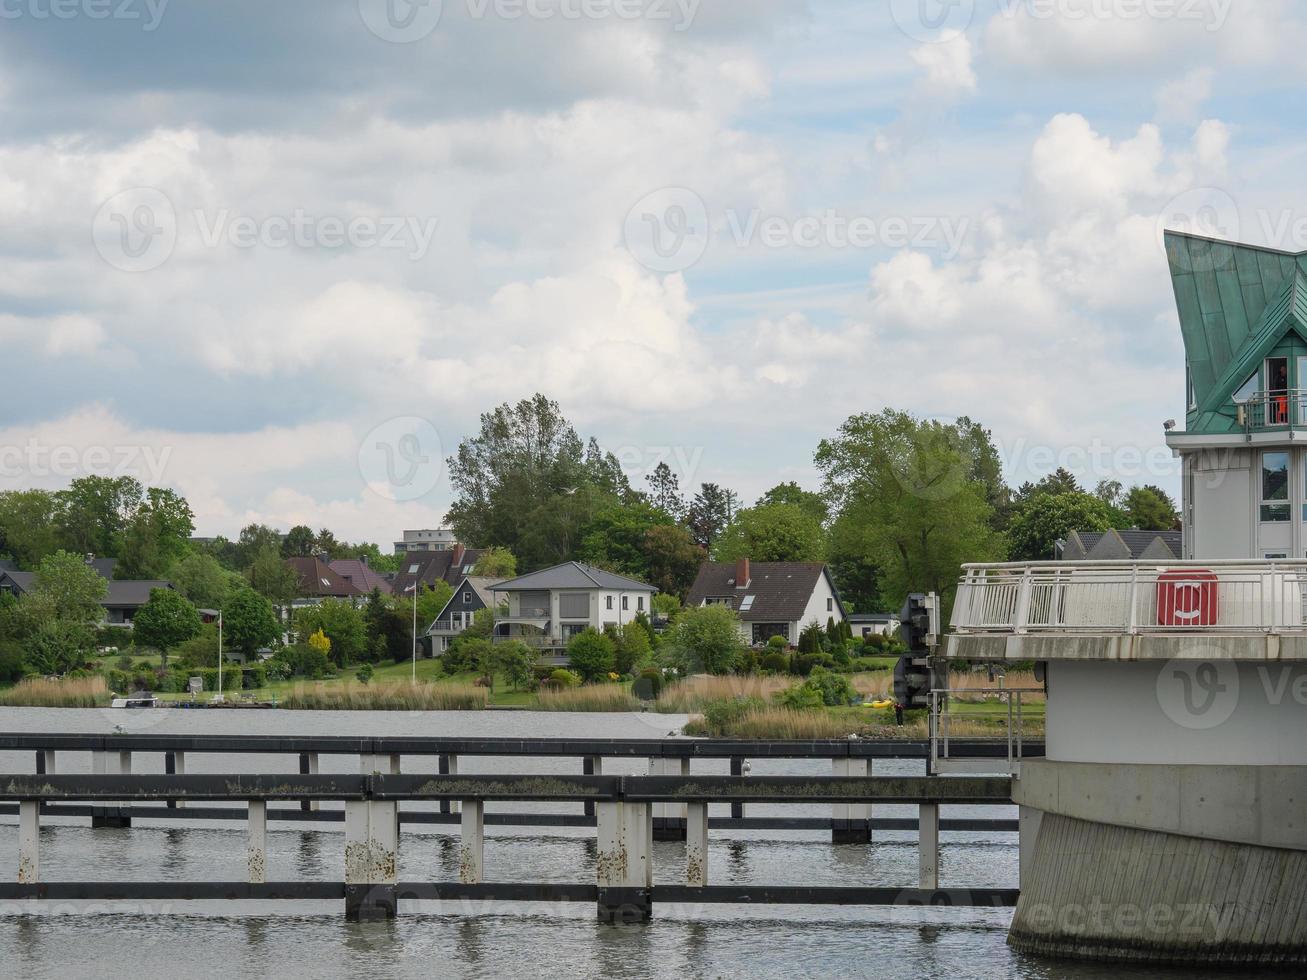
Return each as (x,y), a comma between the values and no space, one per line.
(94,512)
(516,661)
(705,638)
(1110,492)
(673,559)
(29,525)
(791,493)
(272,578)
(708,514)
(201,579)
(665,605)
(248,621)
(496,563)
(591,654)
(388,633)
(157,534)
(255,540)
(633,646)
(665,491)
(58,616)
(773,532)
(810,638)
(616,538)
(342,623)
(913,498)
(1046,518)
(1151,508)
(319,642)
(300,542)
(165,620)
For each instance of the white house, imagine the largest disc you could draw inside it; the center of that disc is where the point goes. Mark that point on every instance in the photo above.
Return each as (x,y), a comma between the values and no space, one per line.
(547,608)
(772,598)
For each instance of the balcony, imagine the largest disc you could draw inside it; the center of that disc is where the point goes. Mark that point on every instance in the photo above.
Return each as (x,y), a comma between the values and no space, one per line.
(1251,610)
(1271,410)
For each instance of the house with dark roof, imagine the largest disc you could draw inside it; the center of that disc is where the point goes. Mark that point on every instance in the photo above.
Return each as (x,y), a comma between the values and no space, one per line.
(123,598)
(545,609)
(317,581)
(1114,545)
(429,567)
(772,598)
(358,573)
(471,595)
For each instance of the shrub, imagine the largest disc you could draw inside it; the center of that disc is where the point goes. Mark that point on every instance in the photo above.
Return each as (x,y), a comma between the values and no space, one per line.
(649,684)
(591,654)
(775,662)
(364,673)
(12,664)
(633,647)
(822,688)
(302,660)
(719,714)
(777,643)
(746,661)
(803,663)
(564,678)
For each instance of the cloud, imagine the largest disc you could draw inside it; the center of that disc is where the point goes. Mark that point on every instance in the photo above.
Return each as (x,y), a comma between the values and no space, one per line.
(947,64)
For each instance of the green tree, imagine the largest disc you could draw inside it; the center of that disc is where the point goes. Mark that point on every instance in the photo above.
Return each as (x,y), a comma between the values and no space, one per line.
(300,542)
(389,634)
(1046,518)
(665,491)
(166,620)
(666,605)
(913,498)
(1151,508)
(516,661)
(249,622)
(95,510)
(673,559)
(773,532)
(591,654)
(156,535)
(496,563)
(705,639)
(255,540)
(201,579)
(633,648)
(29,525)
(791,493)
(342,623)
(58,616)
(708,514)
(616,538)
(272,578)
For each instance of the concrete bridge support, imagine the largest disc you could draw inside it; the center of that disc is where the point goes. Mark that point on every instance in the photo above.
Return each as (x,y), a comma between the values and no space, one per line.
(111,763)
(308,767)
(371,860)
(624,870)
(928,845)
(472,853)
(256,853)
(45,762)
(29,842)
(174,764)
(852,821)
(669,818)
(696,845)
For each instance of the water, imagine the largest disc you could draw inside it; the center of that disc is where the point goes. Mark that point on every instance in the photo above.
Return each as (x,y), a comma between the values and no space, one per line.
(201,939)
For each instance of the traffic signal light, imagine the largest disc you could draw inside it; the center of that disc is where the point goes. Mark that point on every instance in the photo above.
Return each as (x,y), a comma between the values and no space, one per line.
(913,676)
(919,621)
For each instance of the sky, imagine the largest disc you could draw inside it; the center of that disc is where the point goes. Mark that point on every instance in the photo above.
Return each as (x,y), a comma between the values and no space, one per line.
(280,256)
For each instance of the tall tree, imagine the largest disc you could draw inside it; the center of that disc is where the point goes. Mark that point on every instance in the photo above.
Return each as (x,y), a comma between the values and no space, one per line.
(95,510)
(1151,508)
(911,499)
(300,542)
(272,578)
(201,579)
(29,525)
(773,532)
(165,621)
(249,622)
(1046,518)
(791,493)
(254,540)
(708,514)
(496,563)
(156,535)
(665,491)
(673,559)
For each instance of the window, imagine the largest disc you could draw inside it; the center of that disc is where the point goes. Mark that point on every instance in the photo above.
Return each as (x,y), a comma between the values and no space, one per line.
(467,597)
(626,602)
(1246,390)
(830,605)
(746,603)
(413,569)
(1274,554)
(639,603)
(1275,488)
(608,602)
(325,583)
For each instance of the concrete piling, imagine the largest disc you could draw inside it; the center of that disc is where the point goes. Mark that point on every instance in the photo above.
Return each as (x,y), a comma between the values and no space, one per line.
(696,845)
(851,822)
(928,845)
(29,842)
(624,870)
(669,818)
(111,763)
(371,860)
(257,848)
(472,858)
(308,767)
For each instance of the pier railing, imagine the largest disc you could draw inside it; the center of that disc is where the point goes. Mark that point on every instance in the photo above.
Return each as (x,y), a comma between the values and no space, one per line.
(624,810)
(1132,597)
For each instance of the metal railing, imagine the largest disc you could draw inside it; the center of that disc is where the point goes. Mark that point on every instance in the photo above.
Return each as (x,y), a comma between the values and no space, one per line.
(1273,410)
(1132,597)
(525,612)
(1009,703)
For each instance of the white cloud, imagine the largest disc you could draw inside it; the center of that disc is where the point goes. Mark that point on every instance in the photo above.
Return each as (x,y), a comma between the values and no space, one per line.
(1181,100)
(947,65)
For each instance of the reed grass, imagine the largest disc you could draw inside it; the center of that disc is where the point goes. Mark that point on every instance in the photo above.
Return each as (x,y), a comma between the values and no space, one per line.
(388,696)
(594,697)
(63,692)
(690,695)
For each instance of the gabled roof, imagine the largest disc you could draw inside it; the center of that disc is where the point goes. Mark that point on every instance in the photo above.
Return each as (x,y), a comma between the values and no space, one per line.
(573,575)
(21,581)
(318,581)
(430,567)
(8,565)
(482,586)
(130,594)
(781,590)
(1118,545)
(1236,302)
(360,574)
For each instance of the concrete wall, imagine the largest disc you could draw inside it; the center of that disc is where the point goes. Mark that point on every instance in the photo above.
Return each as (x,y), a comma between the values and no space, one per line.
(1101,892)
(1173,712)
(1222,484)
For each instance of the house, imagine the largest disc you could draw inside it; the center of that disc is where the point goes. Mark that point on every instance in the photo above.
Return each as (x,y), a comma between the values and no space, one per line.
(473,593)
(439,539)
(122,600)
(358,573)
(867,624)
(545,609)
(776,598)
(1121,546)
(430,567)
(317,581)
(1243,448)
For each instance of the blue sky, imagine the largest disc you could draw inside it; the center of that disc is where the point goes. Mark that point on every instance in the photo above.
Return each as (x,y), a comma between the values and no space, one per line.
(246,244)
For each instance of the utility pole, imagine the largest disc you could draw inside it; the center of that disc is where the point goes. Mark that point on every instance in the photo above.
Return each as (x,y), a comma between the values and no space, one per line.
(220,653)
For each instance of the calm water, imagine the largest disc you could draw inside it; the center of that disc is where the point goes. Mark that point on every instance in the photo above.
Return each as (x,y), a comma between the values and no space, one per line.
(199,939)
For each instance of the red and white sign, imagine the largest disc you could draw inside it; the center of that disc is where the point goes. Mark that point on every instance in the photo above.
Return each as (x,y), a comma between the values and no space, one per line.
(1187,598)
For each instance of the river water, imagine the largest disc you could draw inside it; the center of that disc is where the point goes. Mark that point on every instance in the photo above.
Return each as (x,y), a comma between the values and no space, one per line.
(237,940)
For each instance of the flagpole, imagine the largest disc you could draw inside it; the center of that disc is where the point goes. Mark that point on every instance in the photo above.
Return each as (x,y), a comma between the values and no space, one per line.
(415,633)
(220,653)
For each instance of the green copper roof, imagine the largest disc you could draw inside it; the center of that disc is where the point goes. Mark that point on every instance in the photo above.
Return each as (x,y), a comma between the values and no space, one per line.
(1237,304)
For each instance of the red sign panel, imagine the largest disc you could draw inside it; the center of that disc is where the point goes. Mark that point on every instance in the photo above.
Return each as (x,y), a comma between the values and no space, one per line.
(1187,598)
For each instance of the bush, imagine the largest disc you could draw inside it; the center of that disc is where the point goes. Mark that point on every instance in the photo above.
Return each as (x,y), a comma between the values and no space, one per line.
(775,662)
(719,714)
(746,661)
(364,673)
(802,664)
(564,678)
(822,688)
(302,660)
(649,685)
(12,663)
(777,643)
(591,654)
